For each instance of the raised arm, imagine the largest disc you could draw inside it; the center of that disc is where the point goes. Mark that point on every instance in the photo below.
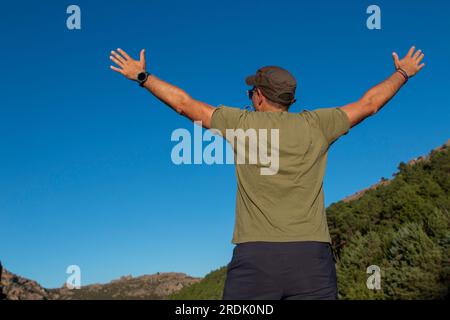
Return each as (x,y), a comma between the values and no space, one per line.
(374,99)
(171,95)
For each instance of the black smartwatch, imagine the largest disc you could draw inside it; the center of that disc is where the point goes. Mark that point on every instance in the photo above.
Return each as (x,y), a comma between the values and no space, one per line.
(142,77)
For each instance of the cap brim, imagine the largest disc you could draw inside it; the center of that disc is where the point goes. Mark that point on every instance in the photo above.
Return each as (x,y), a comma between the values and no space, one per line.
(250,80)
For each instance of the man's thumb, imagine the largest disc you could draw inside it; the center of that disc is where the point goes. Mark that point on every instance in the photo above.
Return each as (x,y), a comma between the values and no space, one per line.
(142,58)
(395,57)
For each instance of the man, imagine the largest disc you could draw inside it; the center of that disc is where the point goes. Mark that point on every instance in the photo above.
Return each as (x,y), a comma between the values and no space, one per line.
(282,240)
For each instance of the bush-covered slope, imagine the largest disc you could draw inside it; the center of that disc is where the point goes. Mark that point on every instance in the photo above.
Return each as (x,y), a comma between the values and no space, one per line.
(402,226)
(209,288)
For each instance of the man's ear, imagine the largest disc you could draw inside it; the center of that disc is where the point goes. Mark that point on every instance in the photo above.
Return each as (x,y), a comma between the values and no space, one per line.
(263,100)
(260,96)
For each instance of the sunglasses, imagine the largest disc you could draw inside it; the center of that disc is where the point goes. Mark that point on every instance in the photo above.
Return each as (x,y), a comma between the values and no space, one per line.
(251,92)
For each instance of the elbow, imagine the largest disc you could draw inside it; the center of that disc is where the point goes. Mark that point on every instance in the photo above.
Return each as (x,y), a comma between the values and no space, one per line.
(183,103)
(369,105)
(373,109)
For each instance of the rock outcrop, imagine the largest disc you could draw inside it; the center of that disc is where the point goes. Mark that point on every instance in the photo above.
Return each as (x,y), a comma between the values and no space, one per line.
(151,287)
(147,287)
(14,287)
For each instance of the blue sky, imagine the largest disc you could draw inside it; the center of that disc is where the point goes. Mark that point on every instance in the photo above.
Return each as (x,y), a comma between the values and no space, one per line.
(86,176)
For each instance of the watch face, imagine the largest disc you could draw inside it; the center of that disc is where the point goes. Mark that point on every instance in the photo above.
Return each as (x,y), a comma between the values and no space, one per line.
(141,76)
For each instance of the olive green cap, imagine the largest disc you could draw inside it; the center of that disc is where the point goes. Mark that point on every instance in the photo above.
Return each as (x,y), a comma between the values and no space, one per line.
(277,84)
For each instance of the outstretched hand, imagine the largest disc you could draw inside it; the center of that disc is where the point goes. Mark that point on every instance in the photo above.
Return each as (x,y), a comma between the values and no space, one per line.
(129,67)
(411,62)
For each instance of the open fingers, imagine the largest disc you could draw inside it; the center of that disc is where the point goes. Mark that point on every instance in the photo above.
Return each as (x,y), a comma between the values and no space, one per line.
(116,69)
(118,57)
(123,53)
(411,51)
(116,61)
(417,54)
(420,58)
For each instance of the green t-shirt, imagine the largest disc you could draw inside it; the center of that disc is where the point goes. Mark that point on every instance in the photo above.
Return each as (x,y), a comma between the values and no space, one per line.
(287,205)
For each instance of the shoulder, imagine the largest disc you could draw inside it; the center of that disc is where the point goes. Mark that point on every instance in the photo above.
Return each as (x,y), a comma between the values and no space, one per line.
(228,109)
(310,116)
(225,117)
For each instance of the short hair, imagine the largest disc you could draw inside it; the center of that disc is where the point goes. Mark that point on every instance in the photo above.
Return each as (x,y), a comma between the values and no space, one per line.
(278,105)
(275,104)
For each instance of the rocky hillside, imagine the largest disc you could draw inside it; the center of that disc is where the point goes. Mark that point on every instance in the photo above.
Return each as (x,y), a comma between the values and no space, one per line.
(148,287)
(14,287)
(155,287)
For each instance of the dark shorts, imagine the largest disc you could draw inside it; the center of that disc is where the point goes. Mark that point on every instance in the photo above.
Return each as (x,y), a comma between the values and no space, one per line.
(281,271)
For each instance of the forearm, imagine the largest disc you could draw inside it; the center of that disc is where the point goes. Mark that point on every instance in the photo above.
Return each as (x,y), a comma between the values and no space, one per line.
(374,99)
(379,95)
(171,95)
(180,101)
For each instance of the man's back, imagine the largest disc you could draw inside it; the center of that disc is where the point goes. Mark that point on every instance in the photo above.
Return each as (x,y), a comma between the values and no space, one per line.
(288,204)
(283,249)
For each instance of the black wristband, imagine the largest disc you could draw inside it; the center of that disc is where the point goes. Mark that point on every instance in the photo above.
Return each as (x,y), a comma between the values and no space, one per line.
(404,74)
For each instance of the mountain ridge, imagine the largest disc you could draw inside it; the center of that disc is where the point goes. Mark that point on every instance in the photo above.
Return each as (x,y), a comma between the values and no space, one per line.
(385,181)
(155,286)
